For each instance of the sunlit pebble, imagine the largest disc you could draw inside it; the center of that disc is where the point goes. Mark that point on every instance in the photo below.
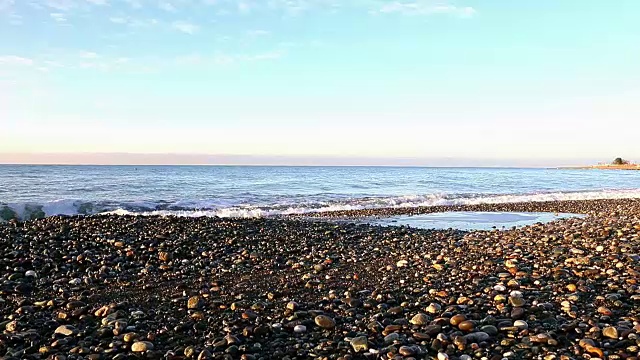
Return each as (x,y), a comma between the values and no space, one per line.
(516,294)
(300,329)
(30,273)
(499,287)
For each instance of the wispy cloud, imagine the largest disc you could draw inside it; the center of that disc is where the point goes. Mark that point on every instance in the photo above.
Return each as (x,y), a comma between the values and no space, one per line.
(88,55)
(244,7)
(118,20)
(185,27)
(6,5)
(133,22)
(424,8)
(136,4)
(61,5)
(257,33)
(15,19)
(16,60)
(98,2)
(167,6)
(59,17)
(226,59)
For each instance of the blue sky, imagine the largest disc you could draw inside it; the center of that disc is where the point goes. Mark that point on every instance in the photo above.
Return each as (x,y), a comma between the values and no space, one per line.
(545,79)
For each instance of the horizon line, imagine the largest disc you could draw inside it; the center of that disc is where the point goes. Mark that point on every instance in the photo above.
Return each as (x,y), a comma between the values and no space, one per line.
(196,159)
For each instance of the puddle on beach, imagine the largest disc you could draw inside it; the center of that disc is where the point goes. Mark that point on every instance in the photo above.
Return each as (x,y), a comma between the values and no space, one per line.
(467,220)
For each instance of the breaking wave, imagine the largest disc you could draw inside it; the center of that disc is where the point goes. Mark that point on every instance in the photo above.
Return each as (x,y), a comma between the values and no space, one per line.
(286,206)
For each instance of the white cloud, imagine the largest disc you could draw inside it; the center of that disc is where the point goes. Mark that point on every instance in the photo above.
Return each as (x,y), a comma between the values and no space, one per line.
(15,60)
(424,8)
(15,19)
(274,55)
(88,55)
(225,59)
(185,27)
(98,2)
(6,4)
(166,6)
(189,60)
(58,17)
(62,5)
(256,33)
(136,4)
(244,7)
(133,22)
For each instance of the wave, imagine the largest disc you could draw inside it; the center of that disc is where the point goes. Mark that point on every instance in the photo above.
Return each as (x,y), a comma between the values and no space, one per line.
(243,208)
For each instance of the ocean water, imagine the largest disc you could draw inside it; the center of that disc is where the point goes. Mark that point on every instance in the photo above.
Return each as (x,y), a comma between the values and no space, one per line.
(28,191)
(471,220)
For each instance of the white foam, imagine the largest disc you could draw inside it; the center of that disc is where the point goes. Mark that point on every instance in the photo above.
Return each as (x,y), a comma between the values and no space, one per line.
(227,208)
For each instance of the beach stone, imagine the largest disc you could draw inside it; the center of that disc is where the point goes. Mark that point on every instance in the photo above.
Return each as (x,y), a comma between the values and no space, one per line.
(605,311)
(325,322)
(517,313)
(299,329)
(516,301)
(520,324)
(466,326)
(141,346)
(360,343)
(433,329)
(477,337)
(433,308)
(194,302)
(65,330)
(391,338)
(490,329)
(610,332)
(457,319)
(419,319)
(164,256)
(408,350)
(11,326)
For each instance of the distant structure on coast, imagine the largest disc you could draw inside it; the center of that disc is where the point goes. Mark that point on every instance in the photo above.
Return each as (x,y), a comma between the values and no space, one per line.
(618,164)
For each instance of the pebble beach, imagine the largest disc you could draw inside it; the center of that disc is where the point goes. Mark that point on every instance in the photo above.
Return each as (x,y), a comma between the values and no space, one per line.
(137,287)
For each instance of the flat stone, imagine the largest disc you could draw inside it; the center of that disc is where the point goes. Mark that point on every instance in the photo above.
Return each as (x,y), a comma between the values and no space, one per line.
(66,330)
(141,346)
(325,322)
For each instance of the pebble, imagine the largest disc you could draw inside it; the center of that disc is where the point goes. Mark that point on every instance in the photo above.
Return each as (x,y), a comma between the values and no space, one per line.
(325,322)
(420,319)
(66,330)
(127,287)
(141,346)
(610,332)
(360,343)
(521,324)
(299,329)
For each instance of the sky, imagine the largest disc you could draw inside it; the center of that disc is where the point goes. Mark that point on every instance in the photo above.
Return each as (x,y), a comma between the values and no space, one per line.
(477,81)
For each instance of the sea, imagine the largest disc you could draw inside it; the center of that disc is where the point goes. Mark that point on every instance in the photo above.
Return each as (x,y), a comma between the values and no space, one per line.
(30,191)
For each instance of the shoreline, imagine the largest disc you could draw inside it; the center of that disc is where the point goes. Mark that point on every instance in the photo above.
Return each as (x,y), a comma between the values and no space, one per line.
(111,286)
(602,167)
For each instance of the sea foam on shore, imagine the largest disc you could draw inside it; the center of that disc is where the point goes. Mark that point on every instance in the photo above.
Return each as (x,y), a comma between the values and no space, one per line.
(292,206)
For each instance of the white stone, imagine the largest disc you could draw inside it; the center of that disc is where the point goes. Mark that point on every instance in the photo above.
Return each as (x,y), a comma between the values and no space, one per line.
(299,329)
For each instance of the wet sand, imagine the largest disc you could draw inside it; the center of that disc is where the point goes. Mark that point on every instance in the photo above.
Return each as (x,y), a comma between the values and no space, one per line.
(125,287)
